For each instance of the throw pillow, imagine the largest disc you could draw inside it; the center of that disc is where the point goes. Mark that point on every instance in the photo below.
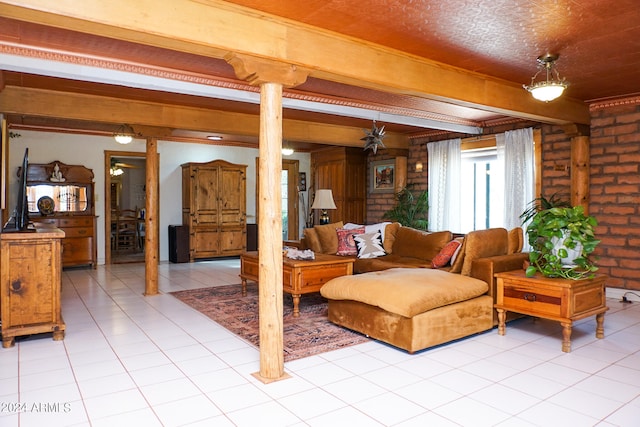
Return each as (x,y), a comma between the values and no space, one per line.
(444,256)
(369,245)
(346,244)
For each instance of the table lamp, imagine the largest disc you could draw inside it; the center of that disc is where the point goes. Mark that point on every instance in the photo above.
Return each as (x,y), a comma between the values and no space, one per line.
(324,201)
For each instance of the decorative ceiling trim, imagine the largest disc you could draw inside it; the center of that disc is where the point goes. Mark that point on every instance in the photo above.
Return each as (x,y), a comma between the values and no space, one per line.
(502,121)
(99,62)
(119,65)
(599,105)
(401,111)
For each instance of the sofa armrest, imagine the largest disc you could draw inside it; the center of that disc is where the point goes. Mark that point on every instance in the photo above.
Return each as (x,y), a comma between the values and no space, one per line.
(485,268)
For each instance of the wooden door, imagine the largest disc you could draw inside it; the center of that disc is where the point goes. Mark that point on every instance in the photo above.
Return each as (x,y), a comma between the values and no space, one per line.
(205,206)
(232,196)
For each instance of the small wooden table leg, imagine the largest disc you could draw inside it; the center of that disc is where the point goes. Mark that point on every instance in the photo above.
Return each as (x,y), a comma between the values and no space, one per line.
(600,325)
(8,342)
(58,335)
(296,302)
(244,287)
(566,337)
(502,316)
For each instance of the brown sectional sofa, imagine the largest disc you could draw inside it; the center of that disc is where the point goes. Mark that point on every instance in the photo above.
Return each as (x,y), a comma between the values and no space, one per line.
(415,308)
(405,246)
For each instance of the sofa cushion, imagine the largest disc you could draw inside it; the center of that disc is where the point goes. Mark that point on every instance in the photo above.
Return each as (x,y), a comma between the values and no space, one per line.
(346,244)
(311,240)
(369,245)
(386,262)
(516,240)
(405,291)
(390,232)
(419,244)
(323,238)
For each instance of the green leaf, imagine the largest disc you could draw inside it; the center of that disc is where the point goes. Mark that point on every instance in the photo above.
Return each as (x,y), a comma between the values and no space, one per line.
(530,271)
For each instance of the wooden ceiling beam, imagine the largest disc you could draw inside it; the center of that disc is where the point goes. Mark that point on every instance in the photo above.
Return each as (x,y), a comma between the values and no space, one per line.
(214,28)
(156,116)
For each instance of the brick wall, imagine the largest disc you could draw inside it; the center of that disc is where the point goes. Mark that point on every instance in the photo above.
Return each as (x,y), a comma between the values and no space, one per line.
(379,203)
(615,192)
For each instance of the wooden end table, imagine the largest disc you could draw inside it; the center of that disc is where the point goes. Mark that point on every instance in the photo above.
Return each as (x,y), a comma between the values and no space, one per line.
(298,276)
(562,300)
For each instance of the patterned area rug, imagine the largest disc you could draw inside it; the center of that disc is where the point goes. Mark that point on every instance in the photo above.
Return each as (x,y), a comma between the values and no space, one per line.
(309,334)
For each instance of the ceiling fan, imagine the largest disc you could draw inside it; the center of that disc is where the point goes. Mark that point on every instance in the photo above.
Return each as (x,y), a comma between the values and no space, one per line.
(115,163)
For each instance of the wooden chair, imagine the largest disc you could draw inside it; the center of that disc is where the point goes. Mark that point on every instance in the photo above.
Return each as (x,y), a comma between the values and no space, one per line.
(126,230)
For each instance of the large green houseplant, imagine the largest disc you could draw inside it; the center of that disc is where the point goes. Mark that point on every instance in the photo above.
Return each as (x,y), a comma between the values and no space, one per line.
(411,210)
(557,235)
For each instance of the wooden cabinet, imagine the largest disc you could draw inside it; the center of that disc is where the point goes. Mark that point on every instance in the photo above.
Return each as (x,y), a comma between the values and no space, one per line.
(214,208)
(344,171)
(30,274)
(79,245)
(69,188)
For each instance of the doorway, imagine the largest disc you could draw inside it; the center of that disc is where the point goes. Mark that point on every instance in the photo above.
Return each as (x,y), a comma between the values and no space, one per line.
(125,202)
(289,181)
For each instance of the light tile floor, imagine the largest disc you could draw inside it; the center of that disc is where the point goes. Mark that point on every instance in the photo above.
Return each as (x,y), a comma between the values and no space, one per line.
(130,360)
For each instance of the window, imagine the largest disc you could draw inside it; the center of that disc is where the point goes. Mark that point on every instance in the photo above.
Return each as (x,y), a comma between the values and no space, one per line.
(482,190)
(482,182)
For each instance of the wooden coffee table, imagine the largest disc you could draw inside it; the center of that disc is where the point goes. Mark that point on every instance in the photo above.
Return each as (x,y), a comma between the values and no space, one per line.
(298,276)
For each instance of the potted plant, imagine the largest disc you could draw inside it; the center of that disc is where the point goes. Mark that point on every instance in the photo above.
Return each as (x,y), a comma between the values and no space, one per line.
(562,238)
(410,210)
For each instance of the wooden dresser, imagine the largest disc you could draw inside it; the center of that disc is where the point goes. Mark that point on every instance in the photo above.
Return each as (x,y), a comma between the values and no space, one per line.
(30,274)
(70,190)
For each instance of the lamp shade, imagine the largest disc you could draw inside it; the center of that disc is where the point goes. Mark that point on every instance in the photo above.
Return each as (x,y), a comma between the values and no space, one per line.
(124,134)
(547,92)
(323,200)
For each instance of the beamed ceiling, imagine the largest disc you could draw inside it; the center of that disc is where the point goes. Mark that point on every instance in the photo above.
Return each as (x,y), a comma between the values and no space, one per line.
(95,74)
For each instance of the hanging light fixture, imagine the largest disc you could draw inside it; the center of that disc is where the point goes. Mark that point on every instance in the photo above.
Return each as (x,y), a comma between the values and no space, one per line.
(551,88)
(124,134)
(286,149)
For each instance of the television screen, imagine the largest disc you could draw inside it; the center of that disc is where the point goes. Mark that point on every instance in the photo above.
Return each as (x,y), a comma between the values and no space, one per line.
(19,221)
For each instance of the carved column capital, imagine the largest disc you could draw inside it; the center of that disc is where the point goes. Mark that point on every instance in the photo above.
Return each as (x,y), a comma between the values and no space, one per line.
(257,71)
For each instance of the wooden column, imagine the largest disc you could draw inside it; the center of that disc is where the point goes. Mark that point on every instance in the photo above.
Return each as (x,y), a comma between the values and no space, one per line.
(270,234)
(580,164)
(271,76)
(580,172)
(151,226)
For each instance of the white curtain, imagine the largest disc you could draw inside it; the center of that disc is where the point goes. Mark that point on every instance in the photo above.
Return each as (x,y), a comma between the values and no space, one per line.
(444,185)
(515,151)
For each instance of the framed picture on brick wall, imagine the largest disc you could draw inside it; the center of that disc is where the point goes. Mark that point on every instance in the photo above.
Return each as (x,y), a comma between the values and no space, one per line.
(383,176)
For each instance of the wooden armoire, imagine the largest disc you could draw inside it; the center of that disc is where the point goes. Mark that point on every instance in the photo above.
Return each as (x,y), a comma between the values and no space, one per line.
(214,208)
(344,171)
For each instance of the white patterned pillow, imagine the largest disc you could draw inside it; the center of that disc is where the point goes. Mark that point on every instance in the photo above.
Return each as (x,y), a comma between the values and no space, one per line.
(369,245)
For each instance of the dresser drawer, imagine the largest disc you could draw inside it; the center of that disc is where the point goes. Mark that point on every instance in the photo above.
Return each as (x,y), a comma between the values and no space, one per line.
(78,232)
(76,221)
(50,221)
(312,279)
(533,299)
